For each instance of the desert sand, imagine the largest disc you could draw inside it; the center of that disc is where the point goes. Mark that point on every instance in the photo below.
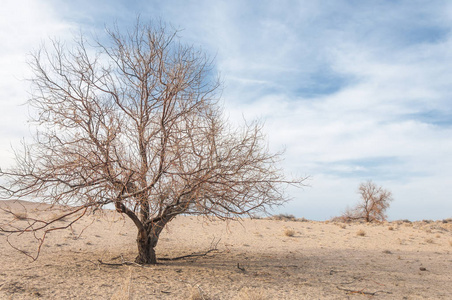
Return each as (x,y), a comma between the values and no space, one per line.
(255,259)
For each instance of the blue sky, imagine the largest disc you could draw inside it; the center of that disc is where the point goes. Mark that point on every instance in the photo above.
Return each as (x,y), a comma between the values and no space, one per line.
(353,90)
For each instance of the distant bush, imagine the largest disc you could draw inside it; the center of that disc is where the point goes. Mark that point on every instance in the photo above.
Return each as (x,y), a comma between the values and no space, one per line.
(284,217)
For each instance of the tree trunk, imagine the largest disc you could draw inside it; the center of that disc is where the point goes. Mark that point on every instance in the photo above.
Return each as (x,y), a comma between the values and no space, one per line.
(146,242)
(148,236)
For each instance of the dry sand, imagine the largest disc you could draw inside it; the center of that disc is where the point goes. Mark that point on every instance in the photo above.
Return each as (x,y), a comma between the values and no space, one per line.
(256,259)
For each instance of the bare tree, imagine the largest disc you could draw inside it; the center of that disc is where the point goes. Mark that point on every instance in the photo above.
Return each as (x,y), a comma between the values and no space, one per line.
(373,205)
(134,120)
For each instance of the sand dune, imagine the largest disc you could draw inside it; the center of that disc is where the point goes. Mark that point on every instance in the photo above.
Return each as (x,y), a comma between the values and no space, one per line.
(256,259)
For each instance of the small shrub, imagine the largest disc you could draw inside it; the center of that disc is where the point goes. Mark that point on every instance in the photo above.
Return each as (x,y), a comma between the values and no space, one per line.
(289,232)
(360,233)
(284,217)
(390,228)
(56,216)
(450,243)
(429,241)
(21,215)
(387,252)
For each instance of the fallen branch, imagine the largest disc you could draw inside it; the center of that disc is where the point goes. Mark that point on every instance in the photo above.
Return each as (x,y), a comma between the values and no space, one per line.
(362,292)
(125,263)
(187,256)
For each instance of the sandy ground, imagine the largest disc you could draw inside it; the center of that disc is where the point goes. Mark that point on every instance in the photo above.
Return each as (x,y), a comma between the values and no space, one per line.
(256,259)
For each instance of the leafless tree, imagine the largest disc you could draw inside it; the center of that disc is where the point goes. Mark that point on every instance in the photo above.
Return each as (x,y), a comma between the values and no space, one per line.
(373,205)
(134,120)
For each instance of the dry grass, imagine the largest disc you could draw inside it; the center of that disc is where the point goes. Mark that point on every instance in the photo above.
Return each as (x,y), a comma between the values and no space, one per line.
(196,294)
(289,232)
(252,294)
(341,225)
(429,241)
(125,292)
(360,233)
(56,216)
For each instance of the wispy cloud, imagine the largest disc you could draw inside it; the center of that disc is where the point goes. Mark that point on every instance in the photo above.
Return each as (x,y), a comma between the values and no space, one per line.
(23,27)
(354,90)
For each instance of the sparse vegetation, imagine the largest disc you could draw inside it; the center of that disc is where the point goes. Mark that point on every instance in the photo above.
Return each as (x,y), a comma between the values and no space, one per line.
(284,217)
(58,216)
(373,205)
(21,215)
(390,228)
(197,294)
(252,294)
(289,232)
(361,232)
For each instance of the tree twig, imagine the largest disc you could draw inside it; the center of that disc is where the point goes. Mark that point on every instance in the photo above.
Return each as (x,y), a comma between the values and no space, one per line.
(240,268)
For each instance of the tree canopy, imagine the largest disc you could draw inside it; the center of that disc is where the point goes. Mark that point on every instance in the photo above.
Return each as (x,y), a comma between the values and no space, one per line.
(134,120)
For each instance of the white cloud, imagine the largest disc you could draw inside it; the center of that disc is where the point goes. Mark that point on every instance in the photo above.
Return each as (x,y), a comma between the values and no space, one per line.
(375,118)
(354,91)
(23,27)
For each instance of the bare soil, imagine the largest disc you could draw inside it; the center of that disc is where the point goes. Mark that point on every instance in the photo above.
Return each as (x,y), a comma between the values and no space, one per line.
(255,259)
